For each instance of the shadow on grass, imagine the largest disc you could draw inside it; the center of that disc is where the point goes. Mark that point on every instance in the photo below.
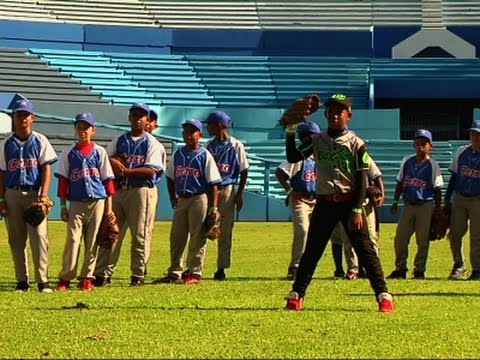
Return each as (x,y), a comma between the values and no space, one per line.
(446,294)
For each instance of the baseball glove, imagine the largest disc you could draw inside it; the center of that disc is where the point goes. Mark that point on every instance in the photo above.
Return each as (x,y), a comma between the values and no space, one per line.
(300,110)
(109,231)
(118,162)
(212,225)
(37,211)
(439,225)
(373,193)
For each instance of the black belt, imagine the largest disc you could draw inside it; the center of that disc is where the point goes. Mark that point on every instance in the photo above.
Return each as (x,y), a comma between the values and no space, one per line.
(468,194)
(307,195)
(337,198)
(419,202)
(23,188)
(189,195)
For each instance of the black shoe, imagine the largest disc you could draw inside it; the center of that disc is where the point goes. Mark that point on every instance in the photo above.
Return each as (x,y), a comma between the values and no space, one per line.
(292,273)
(475,275)
(339,274)
(137,281)
(22,286)
(45,288)
(186,274)
(101,281)
(397,274)
(419,275)
(219,275)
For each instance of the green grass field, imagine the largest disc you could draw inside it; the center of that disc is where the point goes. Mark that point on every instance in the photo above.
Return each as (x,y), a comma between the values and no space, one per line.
(242,317)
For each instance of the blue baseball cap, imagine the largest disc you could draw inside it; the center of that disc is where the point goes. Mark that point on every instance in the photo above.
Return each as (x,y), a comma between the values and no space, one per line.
(194,122)
(141,106)
(308,127)
(23,105)
(475,126)
(219,117)
(423,133)
(153,115)
(86,117)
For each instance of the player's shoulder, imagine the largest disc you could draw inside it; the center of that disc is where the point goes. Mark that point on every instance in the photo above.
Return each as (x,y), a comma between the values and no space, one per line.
(408,157)
(39,136)
(462,149)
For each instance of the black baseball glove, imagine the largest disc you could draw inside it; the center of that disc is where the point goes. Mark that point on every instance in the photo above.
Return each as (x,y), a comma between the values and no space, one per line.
(37,211)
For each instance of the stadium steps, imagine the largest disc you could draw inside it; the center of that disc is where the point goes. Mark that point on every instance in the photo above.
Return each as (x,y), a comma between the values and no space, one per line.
(26,74)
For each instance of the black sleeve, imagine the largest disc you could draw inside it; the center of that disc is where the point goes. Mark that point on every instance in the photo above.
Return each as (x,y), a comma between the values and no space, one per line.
(295,154)
(450,187)
(361,176)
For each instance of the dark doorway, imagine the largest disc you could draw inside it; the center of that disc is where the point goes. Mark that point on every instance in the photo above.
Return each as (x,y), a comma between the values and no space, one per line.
(448,119)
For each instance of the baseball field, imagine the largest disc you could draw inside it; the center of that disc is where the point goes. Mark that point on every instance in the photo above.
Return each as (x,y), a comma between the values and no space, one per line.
(242,317)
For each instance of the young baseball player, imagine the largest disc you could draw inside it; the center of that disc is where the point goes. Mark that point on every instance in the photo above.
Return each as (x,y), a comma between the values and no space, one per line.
(135,199)
(26,157)
(85,178)
(299,181)
(370,208)
(465,185)
(192,180)
(419,182)
(231,158)
(342,165)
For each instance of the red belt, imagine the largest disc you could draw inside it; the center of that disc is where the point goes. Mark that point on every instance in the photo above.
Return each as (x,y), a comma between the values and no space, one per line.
(343,197)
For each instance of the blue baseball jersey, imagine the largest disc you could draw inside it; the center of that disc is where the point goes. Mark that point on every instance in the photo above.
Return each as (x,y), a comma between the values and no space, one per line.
(139,152)
(302,175)
(230,157)
(419,179)
(466,165)
(22,161)
(193,171)
(85,174)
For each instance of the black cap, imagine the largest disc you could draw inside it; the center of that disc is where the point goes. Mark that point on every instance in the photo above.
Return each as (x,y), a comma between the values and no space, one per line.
(340,99)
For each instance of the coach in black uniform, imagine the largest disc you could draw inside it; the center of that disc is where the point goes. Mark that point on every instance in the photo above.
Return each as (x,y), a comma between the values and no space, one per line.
(342,167)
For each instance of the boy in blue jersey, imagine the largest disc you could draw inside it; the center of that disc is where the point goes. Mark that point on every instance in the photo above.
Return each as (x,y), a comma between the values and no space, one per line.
(192,180)
(134,200)
(419,180)
(231,158)
(86,180)
(465,184)
(26,157)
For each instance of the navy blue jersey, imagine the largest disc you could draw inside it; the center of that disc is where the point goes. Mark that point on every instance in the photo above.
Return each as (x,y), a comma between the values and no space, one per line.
(466,165)
(139,152)
(193,171)
(230,157)
(419,179)
(22,160)
(86,175)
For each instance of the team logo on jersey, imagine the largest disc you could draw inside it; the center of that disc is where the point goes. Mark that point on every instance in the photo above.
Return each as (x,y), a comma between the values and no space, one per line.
(341,158)
(225,168)
(186,171)
(135,159)
(310,175)
(78,174)
(469,172)
(15,164)
(414,182)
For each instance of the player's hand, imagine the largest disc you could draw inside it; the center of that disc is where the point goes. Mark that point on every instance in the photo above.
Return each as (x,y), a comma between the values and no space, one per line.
(4,210)
(64,214)
(394,209)
(380,201)
(239,202)
(117,166)
(355,222)
(173,202)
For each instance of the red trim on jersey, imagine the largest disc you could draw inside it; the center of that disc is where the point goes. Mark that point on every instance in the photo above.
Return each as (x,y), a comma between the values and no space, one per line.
(110,186)
(85,149)
(62,187)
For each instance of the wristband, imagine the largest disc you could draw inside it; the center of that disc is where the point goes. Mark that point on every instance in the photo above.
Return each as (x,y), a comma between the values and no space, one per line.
(395,202)
(63,206)
(213,209)
(2,200)
(357,210)
(289,191)
(291,129)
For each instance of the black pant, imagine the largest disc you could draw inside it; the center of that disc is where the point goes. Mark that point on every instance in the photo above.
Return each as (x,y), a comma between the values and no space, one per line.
(325,217)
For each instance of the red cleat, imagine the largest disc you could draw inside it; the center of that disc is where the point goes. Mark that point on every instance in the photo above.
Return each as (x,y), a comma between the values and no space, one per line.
(85,285)
(192,279)
(385,303)
(294,301)
(63,285)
